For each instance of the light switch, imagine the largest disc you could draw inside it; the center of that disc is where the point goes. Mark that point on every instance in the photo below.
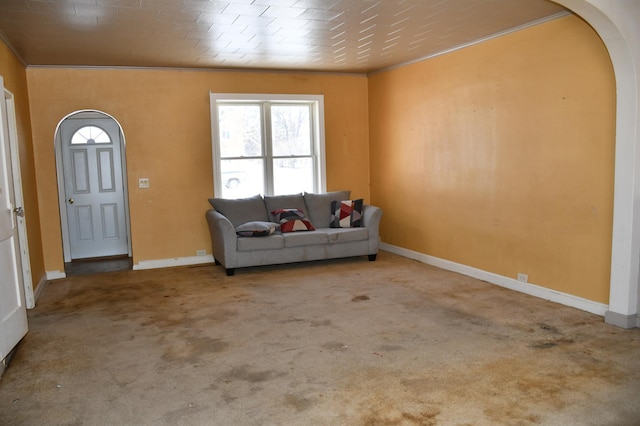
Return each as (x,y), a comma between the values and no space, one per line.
(143,183)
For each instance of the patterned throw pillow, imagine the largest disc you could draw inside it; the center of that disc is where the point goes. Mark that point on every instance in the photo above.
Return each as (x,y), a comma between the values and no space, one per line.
(346,214)
(292,220)
(256,229)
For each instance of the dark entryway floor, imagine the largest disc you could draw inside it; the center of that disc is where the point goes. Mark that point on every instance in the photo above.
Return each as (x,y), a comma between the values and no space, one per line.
(98,265)
(343,342)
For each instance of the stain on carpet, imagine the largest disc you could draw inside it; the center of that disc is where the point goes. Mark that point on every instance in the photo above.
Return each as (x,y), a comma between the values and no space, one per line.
(244,373)
(335,346)
(392,417)
(191,348)
(298,403)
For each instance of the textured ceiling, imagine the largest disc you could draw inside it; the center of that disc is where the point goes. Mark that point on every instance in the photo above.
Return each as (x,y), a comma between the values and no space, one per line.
(318,35)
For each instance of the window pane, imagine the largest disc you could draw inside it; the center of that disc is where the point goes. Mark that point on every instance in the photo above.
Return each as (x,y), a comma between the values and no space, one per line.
(292,175)
(242,178)
(90,135)
(290,130)
(239,127)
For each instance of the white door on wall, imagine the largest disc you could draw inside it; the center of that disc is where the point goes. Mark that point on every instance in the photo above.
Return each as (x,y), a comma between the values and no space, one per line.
(13,313)
(94,188)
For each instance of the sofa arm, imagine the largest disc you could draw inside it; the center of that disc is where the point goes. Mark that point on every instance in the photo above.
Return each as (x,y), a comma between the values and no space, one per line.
(371,216)
(224,241)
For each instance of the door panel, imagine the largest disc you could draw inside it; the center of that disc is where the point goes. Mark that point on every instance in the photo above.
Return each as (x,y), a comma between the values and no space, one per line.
(94,189)
(110,225)
(106,170)
(13,313)
(80,171)
(84,222)
(6,228)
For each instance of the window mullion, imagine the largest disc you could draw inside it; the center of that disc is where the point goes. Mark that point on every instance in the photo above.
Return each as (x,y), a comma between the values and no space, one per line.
(314,149)
(268,148)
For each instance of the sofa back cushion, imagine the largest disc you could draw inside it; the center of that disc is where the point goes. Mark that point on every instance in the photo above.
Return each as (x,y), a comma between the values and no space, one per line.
(319,206)
(241,210)
(279,202)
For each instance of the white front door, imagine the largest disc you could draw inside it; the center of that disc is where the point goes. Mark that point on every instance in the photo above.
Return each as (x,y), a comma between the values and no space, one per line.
(13,313)
(93,184)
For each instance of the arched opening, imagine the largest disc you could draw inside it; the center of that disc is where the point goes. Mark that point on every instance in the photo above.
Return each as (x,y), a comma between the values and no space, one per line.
(616,24)
(92,188)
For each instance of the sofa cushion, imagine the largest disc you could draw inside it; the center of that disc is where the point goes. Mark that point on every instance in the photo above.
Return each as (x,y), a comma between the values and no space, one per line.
(256,229)
(345,235)
(292,220)
(319,206)
(278,202)
(346,213)
(241,210)
(272,242)
(300,239)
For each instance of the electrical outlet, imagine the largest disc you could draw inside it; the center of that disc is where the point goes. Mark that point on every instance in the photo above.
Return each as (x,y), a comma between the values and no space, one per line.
(143,183)
(523,278)
(201,252)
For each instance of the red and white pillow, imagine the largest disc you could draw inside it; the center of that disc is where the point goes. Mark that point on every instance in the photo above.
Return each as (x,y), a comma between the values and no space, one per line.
(292,220)
(346,213)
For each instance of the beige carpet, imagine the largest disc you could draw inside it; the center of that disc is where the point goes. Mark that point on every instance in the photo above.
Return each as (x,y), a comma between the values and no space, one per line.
(346,342)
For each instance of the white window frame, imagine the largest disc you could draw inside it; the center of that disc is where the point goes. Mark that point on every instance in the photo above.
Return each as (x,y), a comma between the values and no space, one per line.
(317,119)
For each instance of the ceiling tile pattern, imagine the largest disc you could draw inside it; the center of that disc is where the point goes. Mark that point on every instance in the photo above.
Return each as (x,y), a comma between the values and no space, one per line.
(314,35)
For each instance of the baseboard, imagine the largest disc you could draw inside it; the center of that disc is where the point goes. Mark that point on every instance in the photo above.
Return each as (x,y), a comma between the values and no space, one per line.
(176,261)
(37,292)
(622,321)
(510,283)
(55,275)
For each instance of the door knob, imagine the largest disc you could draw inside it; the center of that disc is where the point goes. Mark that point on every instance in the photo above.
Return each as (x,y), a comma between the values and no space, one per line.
(71,201)
(19,211)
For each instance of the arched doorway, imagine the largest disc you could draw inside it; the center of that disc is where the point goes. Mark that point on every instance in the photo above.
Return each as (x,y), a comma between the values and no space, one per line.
(92,189)
(617,25)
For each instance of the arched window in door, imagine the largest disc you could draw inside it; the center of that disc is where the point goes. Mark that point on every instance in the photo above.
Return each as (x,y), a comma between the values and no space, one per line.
(90,135)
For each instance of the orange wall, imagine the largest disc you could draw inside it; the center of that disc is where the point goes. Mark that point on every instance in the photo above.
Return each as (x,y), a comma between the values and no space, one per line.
(500,156)
(166,121)
(15,81)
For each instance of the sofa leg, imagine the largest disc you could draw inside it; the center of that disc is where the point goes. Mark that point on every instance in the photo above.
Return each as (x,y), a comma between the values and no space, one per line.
(217,262)
(230,272)
(372,257)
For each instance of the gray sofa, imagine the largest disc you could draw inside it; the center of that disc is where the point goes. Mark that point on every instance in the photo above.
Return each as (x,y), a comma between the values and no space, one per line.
(245,232)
